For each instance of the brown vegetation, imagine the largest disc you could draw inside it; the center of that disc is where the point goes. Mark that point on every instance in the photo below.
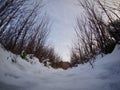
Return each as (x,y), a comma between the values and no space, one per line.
(20,30)
(94,35)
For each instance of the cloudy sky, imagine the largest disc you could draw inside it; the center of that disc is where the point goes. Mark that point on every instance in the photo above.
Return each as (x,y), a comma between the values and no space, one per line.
(62,13)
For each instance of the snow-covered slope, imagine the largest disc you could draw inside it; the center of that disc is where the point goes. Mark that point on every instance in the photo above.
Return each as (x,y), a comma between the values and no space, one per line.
(23,75)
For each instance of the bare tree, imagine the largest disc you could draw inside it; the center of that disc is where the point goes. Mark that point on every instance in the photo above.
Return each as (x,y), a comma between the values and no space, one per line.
(8,10)
(92,31)
(20,30)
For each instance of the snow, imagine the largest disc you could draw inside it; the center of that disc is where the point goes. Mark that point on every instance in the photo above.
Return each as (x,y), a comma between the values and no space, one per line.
(24,75)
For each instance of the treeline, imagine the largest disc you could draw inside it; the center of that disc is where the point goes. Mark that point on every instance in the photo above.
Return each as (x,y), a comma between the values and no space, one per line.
(97,31)
(22,29)
(25,28)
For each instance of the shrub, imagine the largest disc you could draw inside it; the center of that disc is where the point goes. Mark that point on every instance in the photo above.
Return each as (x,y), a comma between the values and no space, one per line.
(23,54)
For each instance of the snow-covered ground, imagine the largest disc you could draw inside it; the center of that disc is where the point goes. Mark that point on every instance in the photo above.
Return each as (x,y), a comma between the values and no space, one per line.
(23,75)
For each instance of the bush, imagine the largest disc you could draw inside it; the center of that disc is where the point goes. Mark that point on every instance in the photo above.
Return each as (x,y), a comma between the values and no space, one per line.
(23,55)
(114,30)
(109,47)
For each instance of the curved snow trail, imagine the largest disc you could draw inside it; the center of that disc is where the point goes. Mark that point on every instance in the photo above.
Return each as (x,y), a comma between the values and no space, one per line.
(25,76)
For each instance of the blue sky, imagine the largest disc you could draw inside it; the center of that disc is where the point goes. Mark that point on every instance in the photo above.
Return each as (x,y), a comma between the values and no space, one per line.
(62,13)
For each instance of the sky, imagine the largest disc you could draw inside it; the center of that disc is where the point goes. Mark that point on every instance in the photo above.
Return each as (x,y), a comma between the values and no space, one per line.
(62,13)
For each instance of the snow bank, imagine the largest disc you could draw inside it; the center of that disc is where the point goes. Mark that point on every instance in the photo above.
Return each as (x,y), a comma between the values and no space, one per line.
(23,75)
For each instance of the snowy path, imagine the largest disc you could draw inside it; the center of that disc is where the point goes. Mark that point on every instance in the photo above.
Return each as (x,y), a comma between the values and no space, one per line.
(25,76)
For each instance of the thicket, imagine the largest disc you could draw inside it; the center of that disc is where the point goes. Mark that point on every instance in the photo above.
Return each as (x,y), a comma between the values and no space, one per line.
(97,31)
(25,28)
